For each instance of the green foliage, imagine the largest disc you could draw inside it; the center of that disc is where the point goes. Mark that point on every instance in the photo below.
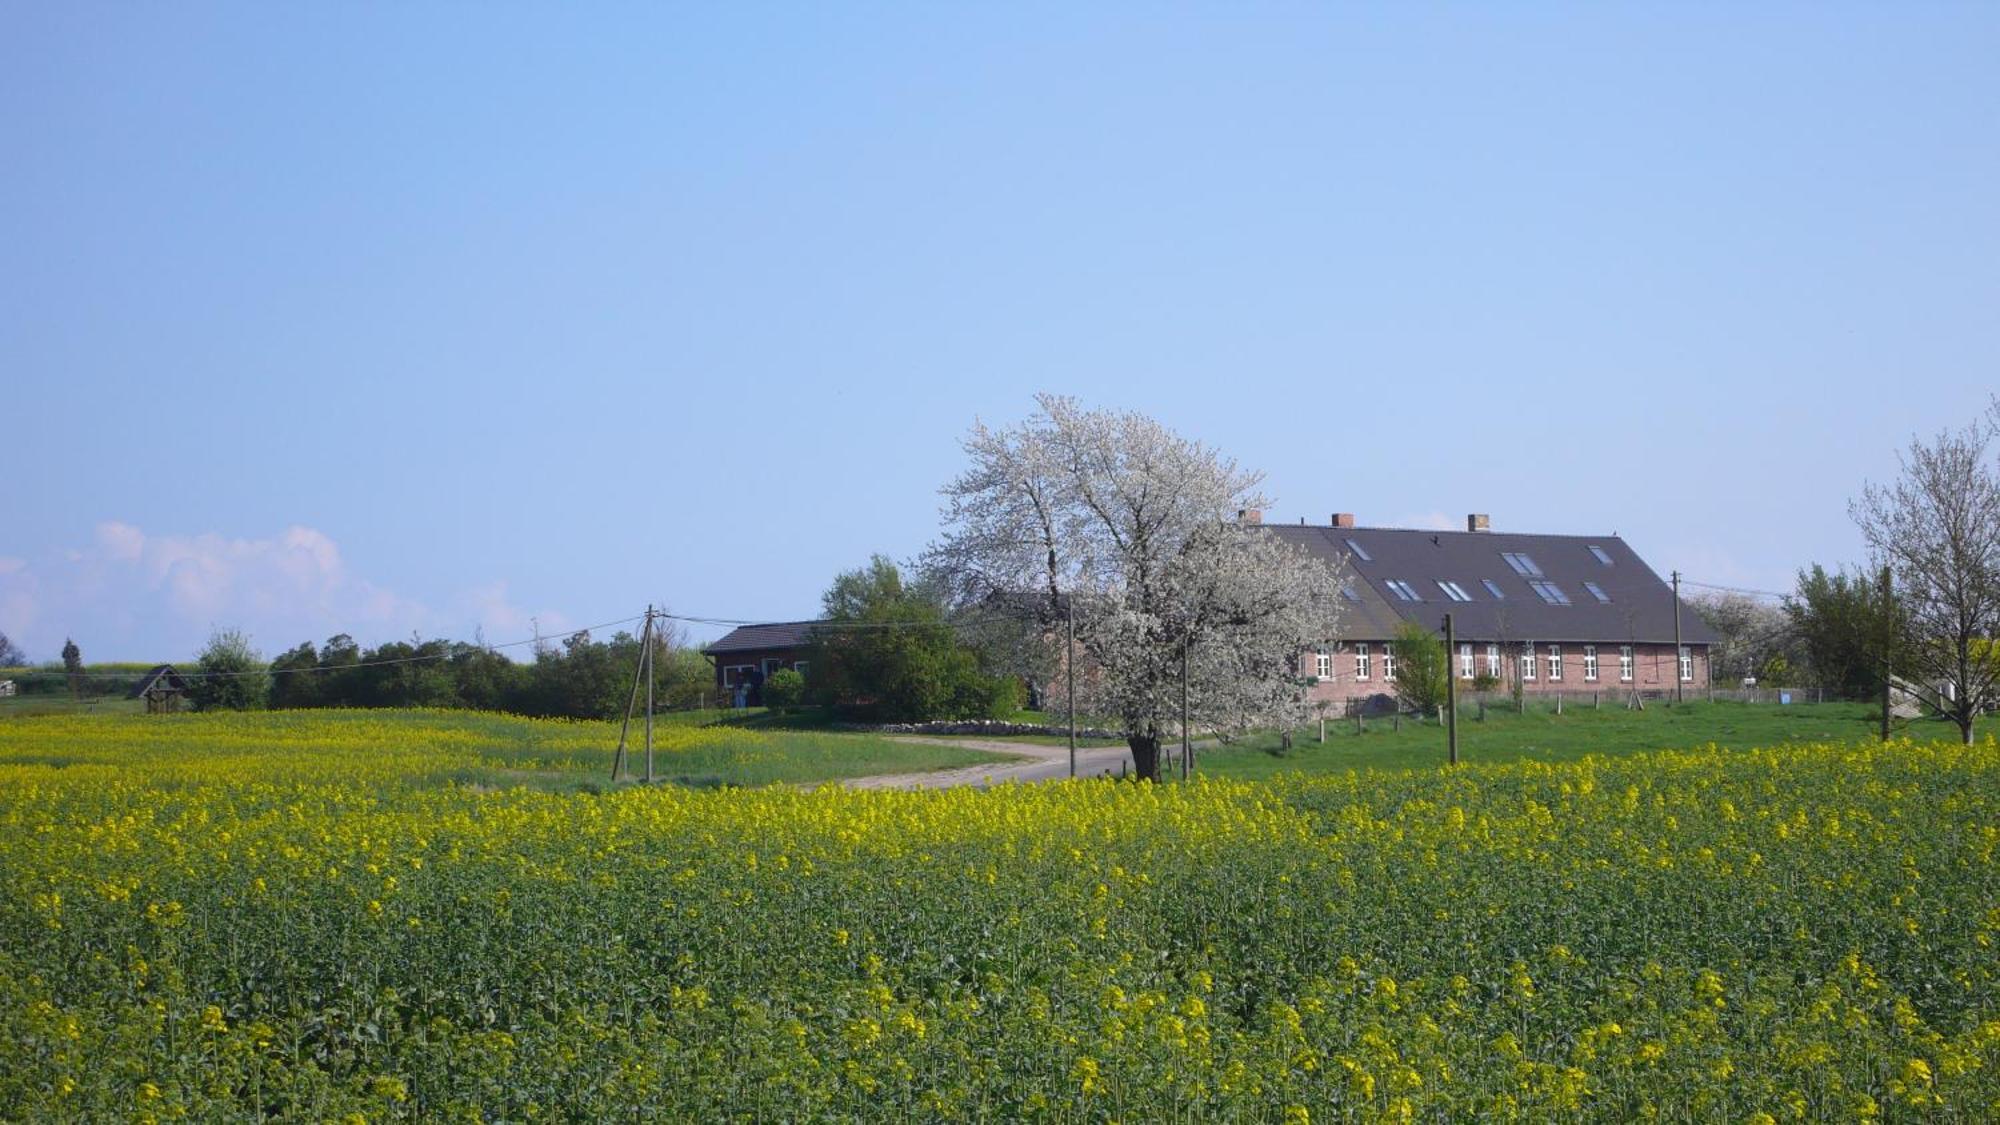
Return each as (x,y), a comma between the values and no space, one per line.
(1847,627)
(784,689)
(889,654)
(230,674)
(1423,668)
(1485,682)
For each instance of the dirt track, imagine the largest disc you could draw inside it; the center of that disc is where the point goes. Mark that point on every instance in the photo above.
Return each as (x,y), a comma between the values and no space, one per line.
(1037,763)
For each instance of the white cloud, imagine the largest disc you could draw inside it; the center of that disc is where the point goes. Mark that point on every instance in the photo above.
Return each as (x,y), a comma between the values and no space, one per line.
(137,594)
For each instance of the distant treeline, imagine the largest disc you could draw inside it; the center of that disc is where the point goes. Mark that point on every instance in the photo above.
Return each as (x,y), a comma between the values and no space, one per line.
(580,678)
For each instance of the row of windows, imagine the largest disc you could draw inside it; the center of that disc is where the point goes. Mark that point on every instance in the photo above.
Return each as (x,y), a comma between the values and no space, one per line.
(733,674)
(1532,662)
(1549,591)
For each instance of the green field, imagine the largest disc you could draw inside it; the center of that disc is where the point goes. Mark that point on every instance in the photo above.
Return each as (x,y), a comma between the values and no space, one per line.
(1540,734)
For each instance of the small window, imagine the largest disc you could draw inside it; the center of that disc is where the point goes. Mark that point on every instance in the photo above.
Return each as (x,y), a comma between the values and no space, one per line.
(1347,591)
(1625,664)
(1361,661)
(1600,554)
(1454,591)
(1687,665)
(1522,564)
(1590,663)
(1528,661)
(772,664)
(1465,662)
(800,667)
(1550,592)
(1403,590)
(1597,592)
(1493,661)
(1389,663)
(1493,588)
(1323,665)
(1555,662)
(1359,552)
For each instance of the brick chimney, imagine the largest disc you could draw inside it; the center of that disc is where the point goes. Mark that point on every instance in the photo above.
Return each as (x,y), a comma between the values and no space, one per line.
(1478,521)
(1343,519)
(1250,515)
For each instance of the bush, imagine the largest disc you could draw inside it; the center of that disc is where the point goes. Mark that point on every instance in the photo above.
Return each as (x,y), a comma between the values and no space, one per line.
(784,689)
(1423,670)
(230,675)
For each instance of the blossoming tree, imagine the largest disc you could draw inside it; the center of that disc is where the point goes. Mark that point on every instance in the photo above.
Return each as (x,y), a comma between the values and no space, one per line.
(1130,532)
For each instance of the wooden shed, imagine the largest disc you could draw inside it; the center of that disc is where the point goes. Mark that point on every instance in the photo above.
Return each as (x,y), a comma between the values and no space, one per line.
(162,689)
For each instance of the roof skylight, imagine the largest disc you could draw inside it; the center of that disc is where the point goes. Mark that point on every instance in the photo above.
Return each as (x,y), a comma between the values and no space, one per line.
(1493,588)
(1550,592)
(1403,590)
(1359,551)
(1454,591)
(1597,592)
(1522,564)
(1600,553)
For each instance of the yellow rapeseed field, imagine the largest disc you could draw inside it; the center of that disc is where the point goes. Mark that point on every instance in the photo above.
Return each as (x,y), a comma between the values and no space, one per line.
(285,916)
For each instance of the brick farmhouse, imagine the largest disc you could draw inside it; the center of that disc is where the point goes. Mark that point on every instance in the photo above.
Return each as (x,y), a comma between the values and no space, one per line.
(1557,613)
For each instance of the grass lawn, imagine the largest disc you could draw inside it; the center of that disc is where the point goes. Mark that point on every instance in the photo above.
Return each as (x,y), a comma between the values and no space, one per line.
(1542,734)
(481,749)
(19,706)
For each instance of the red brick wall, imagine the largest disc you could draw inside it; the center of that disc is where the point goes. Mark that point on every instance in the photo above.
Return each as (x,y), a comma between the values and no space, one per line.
(1654,669)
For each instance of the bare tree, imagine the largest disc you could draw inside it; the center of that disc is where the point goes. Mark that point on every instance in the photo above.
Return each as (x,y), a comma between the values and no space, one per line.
(11,655)
(1753,638)
(1937,528)
(1127,526)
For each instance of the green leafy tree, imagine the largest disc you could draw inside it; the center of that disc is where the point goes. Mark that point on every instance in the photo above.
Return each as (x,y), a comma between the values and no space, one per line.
(1846,627)
(73,665)
(1423,668)
(889,653)
(296,679)
(231,675)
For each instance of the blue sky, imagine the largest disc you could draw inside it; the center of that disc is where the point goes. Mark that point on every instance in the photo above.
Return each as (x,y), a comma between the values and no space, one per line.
(395,318)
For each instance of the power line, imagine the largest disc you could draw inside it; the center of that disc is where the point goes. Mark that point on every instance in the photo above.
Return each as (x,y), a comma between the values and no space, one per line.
(1686,581)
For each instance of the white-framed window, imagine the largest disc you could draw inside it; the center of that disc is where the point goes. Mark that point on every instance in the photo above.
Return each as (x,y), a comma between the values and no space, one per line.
(1624,664)
(772,664)
(1590,663)
(1361,661)
(1528,661)
(1555,662)
(1464,662)
(800,667)
(1389,663)
(1493,661)
(1687,664)
(1323,665)
(735,674)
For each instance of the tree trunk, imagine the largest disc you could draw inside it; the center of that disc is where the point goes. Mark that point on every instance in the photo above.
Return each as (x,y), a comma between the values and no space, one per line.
(1145,756)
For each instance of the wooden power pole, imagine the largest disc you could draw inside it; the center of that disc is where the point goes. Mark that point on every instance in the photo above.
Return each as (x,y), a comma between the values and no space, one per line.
(1451,689)
(1887,644)
(625,728)
(1680,682)
(1069,672)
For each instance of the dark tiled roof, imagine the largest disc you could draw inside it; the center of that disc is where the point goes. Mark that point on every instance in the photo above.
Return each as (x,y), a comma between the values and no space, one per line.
(1640,609)
(778,634)
(162,676)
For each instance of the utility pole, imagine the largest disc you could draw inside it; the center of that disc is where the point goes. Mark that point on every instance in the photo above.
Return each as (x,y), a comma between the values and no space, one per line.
(646,647)
(1451,688)
(1069,670)
(1680,684)
(1887,621)
(618,759)
(1187,745)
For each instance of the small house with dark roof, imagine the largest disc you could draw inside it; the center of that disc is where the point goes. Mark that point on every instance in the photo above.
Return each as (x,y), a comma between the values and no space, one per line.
(162,689)
(1553,613)
(748,655)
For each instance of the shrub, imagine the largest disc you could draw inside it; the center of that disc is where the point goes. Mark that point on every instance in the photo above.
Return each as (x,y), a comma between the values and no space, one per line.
(784,689)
